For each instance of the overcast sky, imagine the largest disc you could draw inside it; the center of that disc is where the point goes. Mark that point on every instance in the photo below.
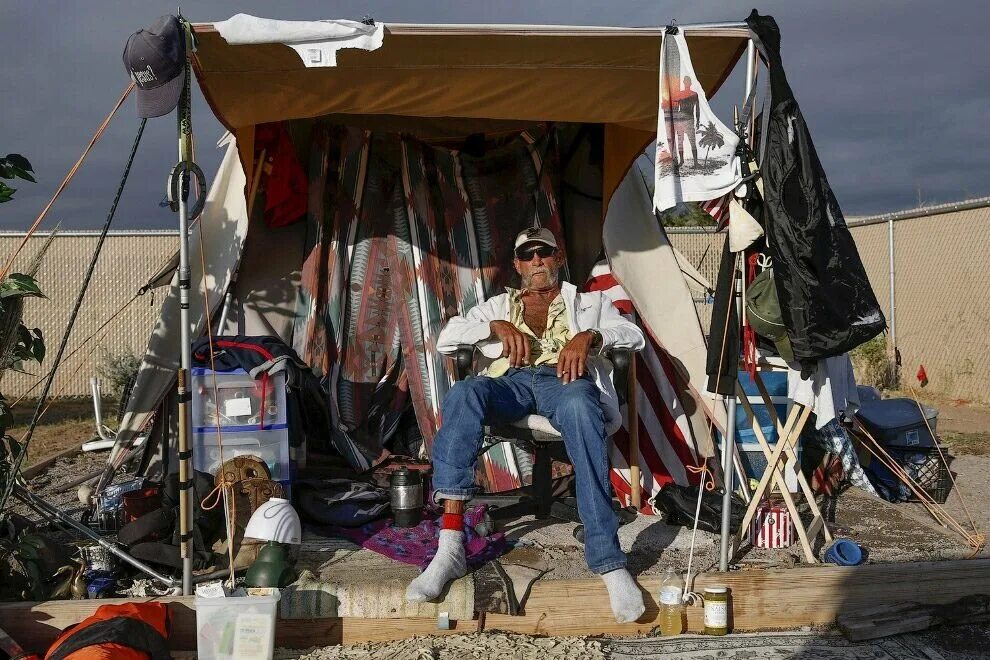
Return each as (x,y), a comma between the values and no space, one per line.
(895,92)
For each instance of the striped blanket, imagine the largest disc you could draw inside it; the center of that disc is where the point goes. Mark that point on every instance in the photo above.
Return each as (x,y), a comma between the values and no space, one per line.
(402,236)
(665,440)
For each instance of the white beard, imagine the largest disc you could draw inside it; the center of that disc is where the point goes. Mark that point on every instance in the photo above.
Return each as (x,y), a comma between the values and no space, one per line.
(552,280)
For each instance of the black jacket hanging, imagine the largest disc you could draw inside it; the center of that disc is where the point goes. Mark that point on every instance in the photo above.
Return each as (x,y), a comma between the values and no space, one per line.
(828,305)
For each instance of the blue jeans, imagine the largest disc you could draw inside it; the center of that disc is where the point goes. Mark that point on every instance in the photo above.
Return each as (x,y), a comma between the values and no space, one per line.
(572,409)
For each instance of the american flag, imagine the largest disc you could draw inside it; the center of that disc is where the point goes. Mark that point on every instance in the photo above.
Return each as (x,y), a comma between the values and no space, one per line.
(718,208)
(665,444)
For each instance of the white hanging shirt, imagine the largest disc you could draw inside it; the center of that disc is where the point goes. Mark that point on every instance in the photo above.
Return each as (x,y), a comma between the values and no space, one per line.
(695,152)
(316,42)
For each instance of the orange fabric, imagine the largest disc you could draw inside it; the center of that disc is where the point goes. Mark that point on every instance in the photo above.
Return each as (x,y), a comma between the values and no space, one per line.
(155,615)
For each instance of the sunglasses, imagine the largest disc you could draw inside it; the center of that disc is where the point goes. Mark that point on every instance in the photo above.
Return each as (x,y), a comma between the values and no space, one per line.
(543,251)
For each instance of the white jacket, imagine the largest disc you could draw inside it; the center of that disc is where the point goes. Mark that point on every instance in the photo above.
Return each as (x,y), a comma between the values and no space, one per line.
(585,311)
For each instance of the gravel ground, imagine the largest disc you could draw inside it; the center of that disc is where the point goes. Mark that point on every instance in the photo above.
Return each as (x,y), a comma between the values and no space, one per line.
(474,646)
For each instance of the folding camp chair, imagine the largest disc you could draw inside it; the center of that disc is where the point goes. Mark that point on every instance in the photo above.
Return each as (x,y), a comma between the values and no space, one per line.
(535,433)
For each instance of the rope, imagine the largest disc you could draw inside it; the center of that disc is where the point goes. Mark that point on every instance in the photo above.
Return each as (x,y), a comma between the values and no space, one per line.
(945,462)
(976,540)
(706,483)
(68,177)
(229,502)
(72,319)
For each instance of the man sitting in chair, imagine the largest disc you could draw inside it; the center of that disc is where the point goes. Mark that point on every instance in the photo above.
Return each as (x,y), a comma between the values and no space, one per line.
(546,340)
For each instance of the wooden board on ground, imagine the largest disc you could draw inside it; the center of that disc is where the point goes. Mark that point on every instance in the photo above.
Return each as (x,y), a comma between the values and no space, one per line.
(884,621)
(37,468)
(761,600)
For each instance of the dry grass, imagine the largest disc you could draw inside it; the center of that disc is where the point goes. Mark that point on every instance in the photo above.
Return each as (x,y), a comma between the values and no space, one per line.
(68,423)
(975,444)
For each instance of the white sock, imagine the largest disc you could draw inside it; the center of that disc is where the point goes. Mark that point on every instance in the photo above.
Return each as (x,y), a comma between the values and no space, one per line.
(624,595)
(449,564)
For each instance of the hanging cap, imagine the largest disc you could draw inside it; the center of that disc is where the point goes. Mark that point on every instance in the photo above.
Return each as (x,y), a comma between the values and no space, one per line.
(763,313)
(535,235)
(155,59)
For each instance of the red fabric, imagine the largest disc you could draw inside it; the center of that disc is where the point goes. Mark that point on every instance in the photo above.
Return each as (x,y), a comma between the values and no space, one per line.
(663,449)
(283,178)
(749,335)
(106,623)
(718,208)
(454,521)
(922,375)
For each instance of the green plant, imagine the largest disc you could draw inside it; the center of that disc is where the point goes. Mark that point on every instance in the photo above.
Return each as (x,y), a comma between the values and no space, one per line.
(873,364)
(119,370)
(18,343)
(13,166)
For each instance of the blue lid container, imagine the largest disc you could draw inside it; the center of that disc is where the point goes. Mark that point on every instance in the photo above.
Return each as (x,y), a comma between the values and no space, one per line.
(899,422)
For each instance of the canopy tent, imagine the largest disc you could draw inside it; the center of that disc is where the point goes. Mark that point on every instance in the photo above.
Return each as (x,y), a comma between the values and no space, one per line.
(580,74)
(446,81)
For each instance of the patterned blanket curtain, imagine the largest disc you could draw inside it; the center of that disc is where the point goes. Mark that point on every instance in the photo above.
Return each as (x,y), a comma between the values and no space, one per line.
(404,235)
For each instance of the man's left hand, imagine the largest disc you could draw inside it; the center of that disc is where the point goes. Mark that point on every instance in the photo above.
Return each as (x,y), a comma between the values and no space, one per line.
(573,357)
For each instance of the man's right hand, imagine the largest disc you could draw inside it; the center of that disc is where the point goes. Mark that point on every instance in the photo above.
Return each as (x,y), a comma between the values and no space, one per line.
(515,344)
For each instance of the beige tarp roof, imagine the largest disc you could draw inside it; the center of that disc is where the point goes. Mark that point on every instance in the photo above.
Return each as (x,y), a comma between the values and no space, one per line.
(534,73)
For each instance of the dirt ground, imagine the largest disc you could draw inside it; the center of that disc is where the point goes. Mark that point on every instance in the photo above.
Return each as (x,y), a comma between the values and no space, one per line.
(67,423)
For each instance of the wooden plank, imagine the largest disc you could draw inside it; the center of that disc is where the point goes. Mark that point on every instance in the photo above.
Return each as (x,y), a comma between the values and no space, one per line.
(36,625)
(761,600)
(34,470)
(883,621)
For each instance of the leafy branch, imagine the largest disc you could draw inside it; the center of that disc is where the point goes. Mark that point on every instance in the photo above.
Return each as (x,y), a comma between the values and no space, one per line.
(13,166)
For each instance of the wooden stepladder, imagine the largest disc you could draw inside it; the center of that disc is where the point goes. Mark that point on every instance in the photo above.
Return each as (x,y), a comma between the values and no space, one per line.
(786,449)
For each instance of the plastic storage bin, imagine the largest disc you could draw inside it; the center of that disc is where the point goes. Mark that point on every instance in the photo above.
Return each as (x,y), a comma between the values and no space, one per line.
(245,403)
(270,446)
(241,628)
(898,422)
(776,384)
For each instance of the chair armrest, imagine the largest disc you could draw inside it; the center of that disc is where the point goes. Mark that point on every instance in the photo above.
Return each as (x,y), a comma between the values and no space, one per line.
(464,360)
(621,358)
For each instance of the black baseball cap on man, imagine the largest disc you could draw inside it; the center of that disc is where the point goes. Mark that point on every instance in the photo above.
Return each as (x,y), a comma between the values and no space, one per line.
(155,59)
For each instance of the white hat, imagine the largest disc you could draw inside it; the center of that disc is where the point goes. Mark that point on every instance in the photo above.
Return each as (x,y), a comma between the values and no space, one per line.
(535,235)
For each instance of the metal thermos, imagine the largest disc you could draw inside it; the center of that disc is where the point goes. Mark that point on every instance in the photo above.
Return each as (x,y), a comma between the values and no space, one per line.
(406,491)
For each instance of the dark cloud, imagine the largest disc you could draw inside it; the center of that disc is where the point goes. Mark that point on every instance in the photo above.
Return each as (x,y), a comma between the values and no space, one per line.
(895,92)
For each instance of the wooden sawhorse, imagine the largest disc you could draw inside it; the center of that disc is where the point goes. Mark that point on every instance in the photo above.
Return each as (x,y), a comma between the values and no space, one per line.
(786,448)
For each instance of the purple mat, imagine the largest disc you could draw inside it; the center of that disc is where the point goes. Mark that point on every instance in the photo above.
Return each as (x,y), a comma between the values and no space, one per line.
(417,545)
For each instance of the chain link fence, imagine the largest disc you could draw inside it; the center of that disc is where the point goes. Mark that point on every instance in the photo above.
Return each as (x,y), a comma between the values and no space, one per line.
(941,315)
(128,260)
(941,271)
(941,274)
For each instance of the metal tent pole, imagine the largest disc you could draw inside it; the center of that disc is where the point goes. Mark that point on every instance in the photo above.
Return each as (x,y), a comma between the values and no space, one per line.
(729,439)
(893,300)
(185,344)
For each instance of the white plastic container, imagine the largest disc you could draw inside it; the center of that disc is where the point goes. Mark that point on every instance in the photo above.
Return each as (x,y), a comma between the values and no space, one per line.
(244,403)
(236,627)
(272,447)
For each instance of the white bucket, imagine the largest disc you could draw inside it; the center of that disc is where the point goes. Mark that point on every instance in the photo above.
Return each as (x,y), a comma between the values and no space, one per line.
(241,627)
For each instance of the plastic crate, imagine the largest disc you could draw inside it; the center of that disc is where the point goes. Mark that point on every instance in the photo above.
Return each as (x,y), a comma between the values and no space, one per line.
(245,403)
(924,465)
(235,627)
(899,423)
(270,446)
